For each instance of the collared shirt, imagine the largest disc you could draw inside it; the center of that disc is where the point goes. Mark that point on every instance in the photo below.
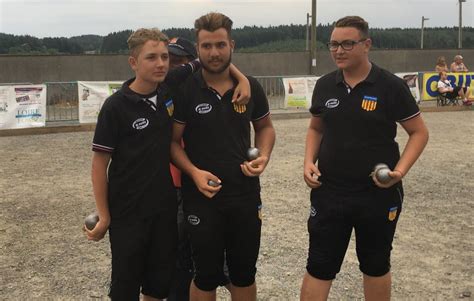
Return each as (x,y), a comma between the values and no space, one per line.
(217,133)
(359,125)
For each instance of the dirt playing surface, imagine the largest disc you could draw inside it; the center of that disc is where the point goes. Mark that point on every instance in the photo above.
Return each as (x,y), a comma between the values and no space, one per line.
(45,193)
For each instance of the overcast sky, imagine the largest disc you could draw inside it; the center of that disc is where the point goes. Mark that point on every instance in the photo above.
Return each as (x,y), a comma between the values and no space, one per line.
(66,18)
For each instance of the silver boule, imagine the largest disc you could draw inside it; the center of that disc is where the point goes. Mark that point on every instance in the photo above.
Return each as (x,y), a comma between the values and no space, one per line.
(213,183)
(253,153)
(91,220)
(381,172)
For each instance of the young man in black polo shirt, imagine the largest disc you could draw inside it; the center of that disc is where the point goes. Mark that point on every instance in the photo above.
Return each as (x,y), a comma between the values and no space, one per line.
(135,197)
(216,136)
(355,113)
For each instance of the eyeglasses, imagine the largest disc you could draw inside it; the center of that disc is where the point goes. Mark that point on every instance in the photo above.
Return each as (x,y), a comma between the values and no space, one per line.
(346,45)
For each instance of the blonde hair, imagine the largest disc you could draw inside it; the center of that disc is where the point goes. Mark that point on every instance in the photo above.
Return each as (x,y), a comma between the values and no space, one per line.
(142,35)
(212,22)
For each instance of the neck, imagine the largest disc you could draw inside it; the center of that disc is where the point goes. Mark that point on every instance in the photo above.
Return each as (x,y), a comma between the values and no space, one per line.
(216,78)
(357,74)
(143,87)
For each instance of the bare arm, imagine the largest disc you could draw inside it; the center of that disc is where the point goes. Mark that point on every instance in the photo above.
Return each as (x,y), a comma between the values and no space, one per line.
(417,140)
(181,160)
(242,91)
(264,141)
(313,143)
(100,162)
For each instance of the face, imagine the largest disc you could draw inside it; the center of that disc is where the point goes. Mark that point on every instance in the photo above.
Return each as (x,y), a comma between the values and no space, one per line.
(443,76)
(152,62)
(349,59)
(176,61)
(215,50)
(458,60)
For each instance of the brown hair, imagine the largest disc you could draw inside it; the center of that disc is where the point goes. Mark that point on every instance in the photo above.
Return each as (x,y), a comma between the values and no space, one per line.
(141,36)
(356,22)
(212,22)
(441,60)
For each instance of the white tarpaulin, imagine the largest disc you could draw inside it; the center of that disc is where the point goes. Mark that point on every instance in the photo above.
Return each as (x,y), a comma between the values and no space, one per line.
(22,106)
(91,97)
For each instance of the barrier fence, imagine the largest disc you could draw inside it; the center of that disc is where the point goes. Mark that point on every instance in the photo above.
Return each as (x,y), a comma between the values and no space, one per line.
(62,100)
(63,103)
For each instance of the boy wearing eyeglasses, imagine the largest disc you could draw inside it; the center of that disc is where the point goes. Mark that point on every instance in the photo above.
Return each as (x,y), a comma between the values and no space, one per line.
(355,111)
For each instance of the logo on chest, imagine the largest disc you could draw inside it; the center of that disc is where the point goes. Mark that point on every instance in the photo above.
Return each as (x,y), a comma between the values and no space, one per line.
(203,108)
(369,103)
(140,123)
(332,103)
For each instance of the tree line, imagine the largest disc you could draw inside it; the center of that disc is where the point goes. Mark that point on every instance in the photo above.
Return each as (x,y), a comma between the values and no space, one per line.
(248,39)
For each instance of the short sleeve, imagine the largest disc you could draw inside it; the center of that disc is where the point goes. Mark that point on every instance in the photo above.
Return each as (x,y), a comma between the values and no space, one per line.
(106,131)
(440,84)
(404,106)
(261,109)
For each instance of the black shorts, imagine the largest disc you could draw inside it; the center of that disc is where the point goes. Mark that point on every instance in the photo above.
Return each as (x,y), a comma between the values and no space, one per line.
(227,227)
(455,92)
(373,215)
(143,256)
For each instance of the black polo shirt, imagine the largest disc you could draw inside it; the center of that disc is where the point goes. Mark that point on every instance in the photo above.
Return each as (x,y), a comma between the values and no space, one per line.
(137,134)
(359,126)
(217,134)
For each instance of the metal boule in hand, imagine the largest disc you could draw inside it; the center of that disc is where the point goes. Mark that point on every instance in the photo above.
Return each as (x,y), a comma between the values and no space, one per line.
(91,220)
(213,183)
(253,153)
(381,172)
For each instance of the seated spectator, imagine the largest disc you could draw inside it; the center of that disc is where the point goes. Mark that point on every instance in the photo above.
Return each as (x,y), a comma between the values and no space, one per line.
(458,65)
(445,87)
(441,65)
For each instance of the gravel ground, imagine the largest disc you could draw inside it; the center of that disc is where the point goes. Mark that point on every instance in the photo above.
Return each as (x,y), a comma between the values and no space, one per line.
(46,193)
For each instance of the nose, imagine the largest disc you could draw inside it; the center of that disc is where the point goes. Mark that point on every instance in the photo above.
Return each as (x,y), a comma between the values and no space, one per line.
(339,49)
(214,51)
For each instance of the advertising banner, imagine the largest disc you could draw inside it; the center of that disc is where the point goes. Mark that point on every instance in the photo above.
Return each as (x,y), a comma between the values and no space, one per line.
(22,106)
(298,91)
(91,97)
(412,81)
(429,89)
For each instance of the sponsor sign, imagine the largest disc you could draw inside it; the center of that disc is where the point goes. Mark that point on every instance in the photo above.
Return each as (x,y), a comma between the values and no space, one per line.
(22,106)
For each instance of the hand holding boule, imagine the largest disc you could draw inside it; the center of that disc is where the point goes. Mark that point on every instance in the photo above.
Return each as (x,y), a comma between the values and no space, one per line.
(382,173)
(213,183)
(253,153)
(91,221)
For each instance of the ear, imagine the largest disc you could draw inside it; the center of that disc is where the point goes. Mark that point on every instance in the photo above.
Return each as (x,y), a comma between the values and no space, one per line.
(132,61)
(368,44)
(232,45)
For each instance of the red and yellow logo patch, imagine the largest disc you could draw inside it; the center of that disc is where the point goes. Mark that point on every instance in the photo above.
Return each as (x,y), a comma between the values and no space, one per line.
(369,103)
(392,213)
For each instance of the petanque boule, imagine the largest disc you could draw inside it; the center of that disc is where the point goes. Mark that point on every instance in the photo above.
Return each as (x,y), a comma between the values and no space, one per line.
(91,220)
(213,183)
(381,171)
(253,153)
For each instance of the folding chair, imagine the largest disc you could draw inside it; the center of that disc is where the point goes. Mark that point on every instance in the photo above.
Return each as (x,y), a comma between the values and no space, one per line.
(442,99)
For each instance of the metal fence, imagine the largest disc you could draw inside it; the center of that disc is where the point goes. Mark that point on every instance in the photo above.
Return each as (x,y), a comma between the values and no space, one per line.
(62,98)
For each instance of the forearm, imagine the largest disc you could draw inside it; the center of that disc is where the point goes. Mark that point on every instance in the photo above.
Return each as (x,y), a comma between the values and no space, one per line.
(239,76)
(313,142)
(265,140)
(412,151)
(180,159)
(100,186)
